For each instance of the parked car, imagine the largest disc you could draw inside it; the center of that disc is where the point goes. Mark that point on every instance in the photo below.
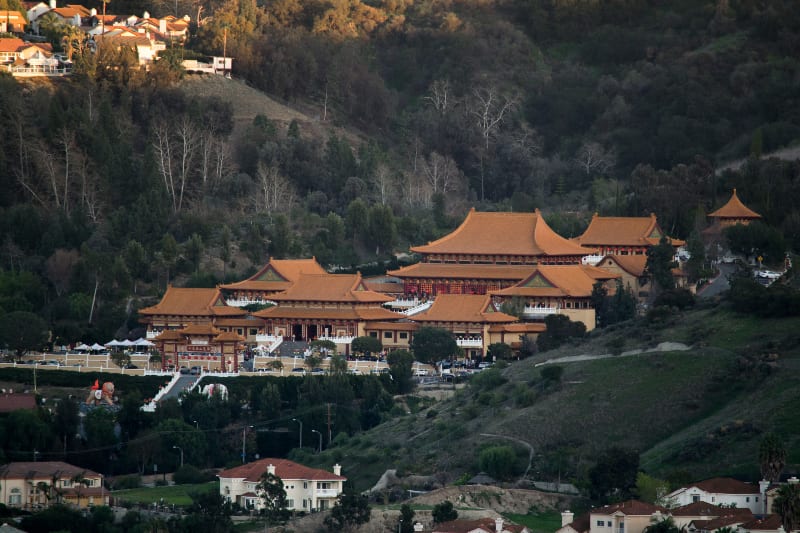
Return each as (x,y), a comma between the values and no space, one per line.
(421,372)
(317,371)
(131,366)
(195,370)
(484,364)
(299,371)
(184,370)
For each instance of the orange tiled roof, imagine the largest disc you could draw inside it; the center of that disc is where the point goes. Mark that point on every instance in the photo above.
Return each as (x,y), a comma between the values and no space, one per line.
(716,523)
(734,209)
(330,288)
(476,309)
(169,335)
(632,264)
(284,469)
(13,17)
(192,302)
(575,281)
(630,507)
(623,231)
(463,271)
(355,313)
(11,44)
(229,336)
(199,329)
(503,233)
(68,12)
(396,326)
(519,327)
(277,275)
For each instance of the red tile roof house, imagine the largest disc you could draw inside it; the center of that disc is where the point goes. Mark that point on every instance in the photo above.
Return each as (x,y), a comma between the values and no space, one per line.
(720,491)
(631,516)
(704,512)
(483,525)
(306,488)
(35,485)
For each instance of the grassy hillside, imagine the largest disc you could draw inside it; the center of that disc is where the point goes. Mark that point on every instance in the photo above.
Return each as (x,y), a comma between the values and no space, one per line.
(701,411)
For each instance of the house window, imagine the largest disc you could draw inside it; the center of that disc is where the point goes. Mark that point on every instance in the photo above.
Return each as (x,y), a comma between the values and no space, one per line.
(387,334)
(756,499)
(713,499)
(253,331)
(290,504)
(304,503)
(240,331)
(600,523)
(695,498)
(323,485)
(373,334)
(403,335)
(15,498)
(747,499)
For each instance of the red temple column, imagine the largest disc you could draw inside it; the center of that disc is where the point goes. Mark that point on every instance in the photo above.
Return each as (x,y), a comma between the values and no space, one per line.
(235,357)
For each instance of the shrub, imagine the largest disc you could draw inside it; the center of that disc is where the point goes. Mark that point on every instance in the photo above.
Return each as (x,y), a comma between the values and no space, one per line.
(132,481)
(190,475)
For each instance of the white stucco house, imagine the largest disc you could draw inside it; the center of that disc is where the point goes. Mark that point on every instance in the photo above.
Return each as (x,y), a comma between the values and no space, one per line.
(307,489)
(720,491)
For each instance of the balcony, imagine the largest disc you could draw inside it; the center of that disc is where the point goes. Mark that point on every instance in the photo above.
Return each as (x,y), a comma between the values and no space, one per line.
(404,302)
(539,312)
(326,493)
(469,342)
(337,340)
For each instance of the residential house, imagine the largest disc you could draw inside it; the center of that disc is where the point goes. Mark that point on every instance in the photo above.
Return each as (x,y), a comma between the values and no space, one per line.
(143,44)
(34,10)
(720,491)
(631,516)
(570,524)
(29,59)
(12,21)
(35,485)
(481,525)
(767,524)
(307,489)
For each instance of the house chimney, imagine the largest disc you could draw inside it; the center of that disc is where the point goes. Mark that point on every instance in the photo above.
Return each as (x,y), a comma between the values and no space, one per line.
(52,4)
(93,12)
(567,517)
(146,15)
(498,525)
(337,469)
(271,469)
(162,26)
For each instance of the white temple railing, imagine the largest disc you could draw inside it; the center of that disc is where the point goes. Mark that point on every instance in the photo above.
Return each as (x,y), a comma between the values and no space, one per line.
(531,311)
(469,342)
(418,308)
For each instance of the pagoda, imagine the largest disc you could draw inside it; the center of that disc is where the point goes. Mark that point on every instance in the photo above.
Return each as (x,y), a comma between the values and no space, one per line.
(276,276)
(335,307)
(200,345)
(181,307)
(732,213)
(488,251)
(623,235)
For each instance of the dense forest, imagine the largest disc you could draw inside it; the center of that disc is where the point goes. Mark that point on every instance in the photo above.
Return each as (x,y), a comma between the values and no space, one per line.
(116,181)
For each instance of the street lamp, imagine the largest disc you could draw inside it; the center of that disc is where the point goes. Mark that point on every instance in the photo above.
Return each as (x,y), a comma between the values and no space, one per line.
(244,436)
(400,526)
(301,431)
(320,439)
(181,450)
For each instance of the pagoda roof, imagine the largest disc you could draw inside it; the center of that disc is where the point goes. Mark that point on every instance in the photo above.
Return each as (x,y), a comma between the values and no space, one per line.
(574,281)
(464,271)
(354,313)
(634,265)
(330,288)
(192,302)
(734,209)
(503,233)
(277,275)
(229,336)
(169,335)
(624,231)
(199,329)
(470,308)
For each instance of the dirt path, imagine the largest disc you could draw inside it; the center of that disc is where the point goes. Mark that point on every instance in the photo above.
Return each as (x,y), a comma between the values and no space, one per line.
(663,347)
(791,153)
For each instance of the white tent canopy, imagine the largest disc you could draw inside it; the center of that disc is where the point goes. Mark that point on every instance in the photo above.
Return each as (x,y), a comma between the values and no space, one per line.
(97,347)
(126,342)
(141,341)
(115,342)
(83,347)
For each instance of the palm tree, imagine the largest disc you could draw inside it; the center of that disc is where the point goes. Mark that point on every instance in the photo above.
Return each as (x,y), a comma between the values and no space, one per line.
(771,457)
(662,525)
(787,505)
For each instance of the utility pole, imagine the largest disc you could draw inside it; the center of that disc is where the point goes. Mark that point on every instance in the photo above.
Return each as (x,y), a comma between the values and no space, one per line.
(329,424)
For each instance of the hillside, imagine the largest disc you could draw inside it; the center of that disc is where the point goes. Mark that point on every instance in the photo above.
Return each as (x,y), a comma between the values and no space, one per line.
(696,413)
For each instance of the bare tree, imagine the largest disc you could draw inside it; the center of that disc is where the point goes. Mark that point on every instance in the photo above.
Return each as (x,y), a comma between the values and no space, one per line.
(277,194)
(384,183)
(490,108)
(416,191)
(593,158)
(440,96)
(175,149)
(442,173)
(216,162)
(59,267)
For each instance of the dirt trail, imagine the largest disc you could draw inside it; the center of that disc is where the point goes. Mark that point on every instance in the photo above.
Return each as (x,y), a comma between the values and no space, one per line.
(791,153)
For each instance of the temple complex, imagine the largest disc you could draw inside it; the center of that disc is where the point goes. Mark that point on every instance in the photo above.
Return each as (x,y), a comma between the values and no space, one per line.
(200,345)
(562,289)
(276,276)
(733,212)
(623,235)
(181,307)
(335,307)
(488,251)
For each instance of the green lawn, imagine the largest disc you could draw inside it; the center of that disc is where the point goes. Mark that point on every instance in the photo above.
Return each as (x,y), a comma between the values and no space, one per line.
(544,522)
(174,494)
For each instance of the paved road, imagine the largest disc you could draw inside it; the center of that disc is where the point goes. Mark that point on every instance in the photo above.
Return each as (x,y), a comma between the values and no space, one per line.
(720,284)
(183,382)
